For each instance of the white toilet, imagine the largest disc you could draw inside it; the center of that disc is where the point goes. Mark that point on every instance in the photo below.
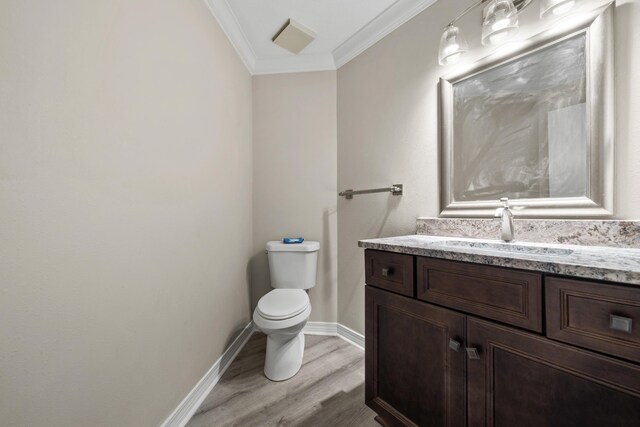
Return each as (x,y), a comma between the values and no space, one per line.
(282,313)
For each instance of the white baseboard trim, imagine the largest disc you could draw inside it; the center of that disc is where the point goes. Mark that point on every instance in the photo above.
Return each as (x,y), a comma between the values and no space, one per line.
(185,410)
(351,336)
(335,329)
(321,328)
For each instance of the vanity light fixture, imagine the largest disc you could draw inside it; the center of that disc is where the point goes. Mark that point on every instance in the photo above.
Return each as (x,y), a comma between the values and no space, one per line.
(452,45)
(555,7)
(500,23)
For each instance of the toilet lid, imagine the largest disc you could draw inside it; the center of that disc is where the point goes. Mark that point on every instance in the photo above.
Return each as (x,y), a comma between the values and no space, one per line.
(280,304)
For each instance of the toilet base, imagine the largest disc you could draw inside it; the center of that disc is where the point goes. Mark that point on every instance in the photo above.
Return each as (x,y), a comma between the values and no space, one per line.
(284,356)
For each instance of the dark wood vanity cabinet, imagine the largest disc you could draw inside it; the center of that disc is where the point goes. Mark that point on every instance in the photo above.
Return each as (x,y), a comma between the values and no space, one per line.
(510,296)
(593,316)
(481,357)
(415,377)
(522,379)
(393,272)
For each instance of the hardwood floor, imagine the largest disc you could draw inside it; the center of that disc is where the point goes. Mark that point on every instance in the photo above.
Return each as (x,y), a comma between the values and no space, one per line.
(328,390)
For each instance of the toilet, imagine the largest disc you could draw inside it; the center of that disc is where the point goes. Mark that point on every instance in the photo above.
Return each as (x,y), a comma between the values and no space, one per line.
(283,312)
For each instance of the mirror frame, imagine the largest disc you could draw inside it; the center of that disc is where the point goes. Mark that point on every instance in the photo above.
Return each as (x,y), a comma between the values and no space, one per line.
(598,203)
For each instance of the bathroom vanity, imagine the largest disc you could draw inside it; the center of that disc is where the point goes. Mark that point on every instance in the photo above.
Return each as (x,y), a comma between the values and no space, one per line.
(476,332)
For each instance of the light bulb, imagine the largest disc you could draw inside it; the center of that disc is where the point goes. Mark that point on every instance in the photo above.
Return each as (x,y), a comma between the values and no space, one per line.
(498,38)
(449,50)
(563,8)
(452,45)
(555,7)
(452,59)
(500,22)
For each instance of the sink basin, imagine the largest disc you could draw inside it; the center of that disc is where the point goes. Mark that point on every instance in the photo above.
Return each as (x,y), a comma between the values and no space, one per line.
(514,248)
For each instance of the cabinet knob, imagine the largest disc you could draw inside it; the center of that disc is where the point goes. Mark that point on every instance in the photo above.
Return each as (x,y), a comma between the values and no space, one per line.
(387,271)
(472,353)
(454,345)
(619,323)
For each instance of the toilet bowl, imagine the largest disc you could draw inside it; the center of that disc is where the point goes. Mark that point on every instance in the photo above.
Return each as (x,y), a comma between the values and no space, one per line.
(281,315)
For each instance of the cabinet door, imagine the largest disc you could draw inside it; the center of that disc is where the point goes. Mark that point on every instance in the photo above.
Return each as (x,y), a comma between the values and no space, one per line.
(521,379)
(415,375)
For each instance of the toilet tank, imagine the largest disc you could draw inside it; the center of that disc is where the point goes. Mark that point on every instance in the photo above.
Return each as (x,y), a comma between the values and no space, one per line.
(293,266)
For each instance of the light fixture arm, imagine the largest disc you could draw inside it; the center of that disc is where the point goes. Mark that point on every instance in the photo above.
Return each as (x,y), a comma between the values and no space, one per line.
(519,4)
(467,10)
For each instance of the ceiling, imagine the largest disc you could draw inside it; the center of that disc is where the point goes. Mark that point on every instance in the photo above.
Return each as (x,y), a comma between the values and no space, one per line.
(344,29)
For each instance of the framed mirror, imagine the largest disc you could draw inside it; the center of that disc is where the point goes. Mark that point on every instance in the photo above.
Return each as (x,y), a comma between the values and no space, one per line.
(536,127)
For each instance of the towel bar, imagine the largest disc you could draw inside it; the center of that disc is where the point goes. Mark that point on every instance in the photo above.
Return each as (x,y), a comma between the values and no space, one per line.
(395,189)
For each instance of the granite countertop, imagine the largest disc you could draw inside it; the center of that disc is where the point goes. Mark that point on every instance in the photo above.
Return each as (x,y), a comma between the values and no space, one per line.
(592,262)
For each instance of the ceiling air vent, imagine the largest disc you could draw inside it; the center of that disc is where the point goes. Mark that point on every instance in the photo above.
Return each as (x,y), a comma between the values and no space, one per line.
(293,36)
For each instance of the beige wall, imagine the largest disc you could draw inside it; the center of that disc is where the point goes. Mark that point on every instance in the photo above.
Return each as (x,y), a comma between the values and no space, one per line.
(387,132)
(295,170)
(128,182)
(125,207)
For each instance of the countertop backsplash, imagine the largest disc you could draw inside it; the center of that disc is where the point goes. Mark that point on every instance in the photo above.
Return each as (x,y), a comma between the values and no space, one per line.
(613,233)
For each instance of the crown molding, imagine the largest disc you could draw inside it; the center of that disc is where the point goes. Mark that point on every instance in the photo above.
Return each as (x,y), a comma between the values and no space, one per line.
(222,12)
(388,20)
(383,24)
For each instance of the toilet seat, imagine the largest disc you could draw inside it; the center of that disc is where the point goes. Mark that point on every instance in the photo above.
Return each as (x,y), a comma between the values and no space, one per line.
(282,304)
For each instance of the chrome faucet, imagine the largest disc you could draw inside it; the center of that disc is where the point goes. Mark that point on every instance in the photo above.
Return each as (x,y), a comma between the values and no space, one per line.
(506,217)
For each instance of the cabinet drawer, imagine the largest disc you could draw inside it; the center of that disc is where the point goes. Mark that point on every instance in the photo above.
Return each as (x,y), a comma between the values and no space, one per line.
(506,295)
(390,271)
(599,316)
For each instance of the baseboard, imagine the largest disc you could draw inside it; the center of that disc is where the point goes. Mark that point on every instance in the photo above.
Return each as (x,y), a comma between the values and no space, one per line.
(335,329)
(321,328)
(351,336)
(185,410)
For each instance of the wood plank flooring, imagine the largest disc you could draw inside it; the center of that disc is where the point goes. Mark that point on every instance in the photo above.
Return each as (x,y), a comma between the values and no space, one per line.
(328,390)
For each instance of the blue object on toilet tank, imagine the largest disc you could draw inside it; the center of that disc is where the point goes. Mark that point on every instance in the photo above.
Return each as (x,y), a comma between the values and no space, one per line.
(291,240)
